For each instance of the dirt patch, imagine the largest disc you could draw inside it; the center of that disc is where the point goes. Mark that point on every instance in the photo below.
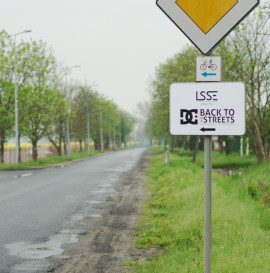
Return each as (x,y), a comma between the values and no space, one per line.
(110,242)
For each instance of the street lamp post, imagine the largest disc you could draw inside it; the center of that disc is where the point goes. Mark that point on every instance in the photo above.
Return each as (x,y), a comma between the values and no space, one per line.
(120,140)
(16,96)
(101,129)
(114,141)
(68,116)
(68,137)
(88,129)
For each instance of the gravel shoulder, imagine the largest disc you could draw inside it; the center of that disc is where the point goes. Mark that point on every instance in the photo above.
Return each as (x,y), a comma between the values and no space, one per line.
(110,241)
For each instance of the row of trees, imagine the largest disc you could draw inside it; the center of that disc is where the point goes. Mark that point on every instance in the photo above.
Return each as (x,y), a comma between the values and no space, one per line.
(47,102)
(246,57)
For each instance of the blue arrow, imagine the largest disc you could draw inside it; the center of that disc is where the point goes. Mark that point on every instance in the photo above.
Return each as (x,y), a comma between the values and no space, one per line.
(205,74)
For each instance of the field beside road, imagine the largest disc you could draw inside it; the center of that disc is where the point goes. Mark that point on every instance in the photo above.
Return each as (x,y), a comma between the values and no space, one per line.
(48,161)
(174,215)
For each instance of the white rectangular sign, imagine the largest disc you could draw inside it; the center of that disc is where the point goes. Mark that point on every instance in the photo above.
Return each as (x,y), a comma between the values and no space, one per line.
(207,108)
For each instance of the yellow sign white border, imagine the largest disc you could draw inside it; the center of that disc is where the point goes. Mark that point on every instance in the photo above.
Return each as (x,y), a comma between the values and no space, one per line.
(207,42)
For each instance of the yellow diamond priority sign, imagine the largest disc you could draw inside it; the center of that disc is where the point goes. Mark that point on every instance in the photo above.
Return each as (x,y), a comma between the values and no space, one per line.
(206,22)
(202,11)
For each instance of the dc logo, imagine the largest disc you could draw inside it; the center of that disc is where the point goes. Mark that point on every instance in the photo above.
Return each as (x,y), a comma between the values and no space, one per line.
(188,116)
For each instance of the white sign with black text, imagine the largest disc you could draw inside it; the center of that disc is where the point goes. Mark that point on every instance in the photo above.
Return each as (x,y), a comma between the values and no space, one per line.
(207,108)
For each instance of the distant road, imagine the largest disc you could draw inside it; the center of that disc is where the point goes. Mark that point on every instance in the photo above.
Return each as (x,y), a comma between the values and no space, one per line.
(42,211)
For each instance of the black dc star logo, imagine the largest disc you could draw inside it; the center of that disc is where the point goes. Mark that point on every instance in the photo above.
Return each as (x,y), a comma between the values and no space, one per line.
(188,116)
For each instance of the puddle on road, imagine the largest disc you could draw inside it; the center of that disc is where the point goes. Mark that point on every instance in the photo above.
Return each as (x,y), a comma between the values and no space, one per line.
(95,215)
(36,253)
(41,256)
(104,189)
(23,175)
(31,267)
(77,217)
(52,247)
(93,202)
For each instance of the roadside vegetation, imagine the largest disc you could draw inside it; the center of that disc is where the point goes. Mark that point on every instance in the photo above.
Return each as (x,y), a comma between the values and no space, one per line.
(59,160)
(48,161)
(49,102)
(173,217)
(245,58)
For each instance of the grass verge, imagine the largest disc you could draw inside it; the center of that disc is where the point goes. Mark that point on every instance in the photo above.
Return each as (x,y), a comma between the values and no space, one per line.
(47,161)
(173,220)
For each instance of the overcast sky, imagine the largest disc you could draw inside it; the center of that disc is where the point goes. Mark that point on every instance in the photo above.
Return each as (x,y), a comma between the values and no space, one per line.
(117,43)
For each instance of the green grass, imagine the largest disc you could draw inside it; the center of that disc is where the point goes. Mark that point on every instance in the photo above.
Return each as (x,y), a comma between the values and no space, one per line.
(223,161)
(256,181)
(173,220)
(47,161)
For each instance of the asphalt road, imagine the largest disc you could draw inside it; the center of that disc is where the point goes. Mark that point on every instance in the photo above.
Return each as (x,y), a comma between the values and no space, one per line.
(43,211)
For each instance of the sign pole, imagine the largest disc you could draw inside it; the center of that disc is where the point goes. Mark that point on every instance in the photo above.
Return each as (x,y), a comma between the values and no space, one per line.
(207,203)
(212,108)
(206,63)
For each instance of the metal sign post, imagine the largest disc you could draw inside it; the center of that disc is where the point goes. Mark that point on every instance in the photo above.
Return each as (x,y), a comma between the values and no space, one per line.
(207,203)
(200,62)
